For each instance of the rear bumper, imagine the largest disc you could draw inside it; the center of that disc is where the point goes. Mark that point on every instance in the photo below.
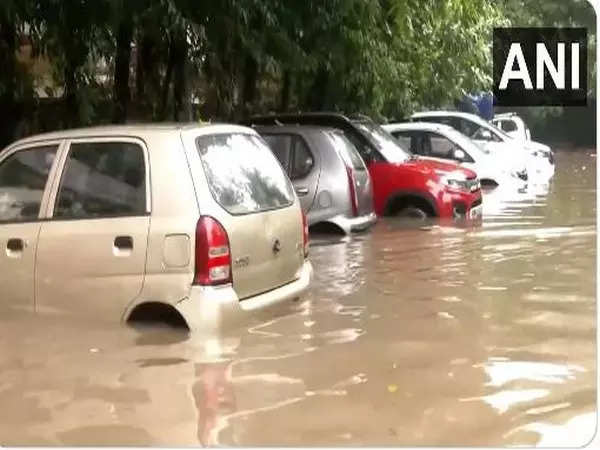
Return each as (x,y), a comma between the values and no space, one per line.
(351,224)
(213,309)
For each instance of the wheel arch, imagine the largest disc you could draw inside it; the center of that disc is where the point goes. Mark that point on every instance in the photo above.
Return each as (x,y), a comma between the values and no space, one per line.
(155,312)
(403,198)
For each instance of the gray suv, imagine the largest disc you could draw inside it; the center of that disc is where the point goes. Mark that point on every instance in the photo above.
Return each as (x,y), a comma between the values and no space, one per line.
(328,174)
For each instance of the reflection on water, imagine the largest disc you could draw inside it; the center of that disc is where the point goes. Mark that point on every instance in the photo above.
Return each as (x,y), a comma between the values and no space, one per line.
(435,335)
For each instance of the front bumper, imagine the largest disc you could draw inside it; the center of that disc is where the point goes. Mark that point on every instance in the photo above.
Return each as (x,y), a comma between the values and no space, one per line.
(212,309)
(352,224)
(541,169)
(458,205)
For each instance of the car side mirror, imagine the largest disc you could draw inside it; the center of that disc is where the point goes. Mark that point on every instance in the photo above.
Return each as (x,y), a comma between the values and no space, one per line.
(459,154)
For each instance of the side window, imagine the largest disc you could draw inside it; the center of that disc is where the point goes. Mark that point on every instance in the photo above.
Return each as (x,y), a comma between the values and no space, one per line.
(281,146)
(23,177)
(303,159)
(508,125)
(102,179)
(467,127)
(441,147)
(366,153)
(406,140)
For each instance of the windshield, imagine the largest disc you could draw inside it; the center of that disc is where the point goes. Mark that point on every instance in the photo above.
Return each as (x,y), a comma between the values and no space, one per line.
(500,132)
(465,143)
(492,128)
(387,145)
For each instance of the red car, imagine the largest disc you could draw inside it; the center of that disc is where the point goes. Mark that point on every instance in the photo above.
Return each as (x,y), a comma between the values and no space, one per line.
(403,184)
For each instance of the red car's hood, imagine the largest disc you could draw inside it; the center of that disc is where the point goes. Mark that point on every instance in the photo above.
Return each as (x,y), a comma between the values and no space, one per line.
(431,166)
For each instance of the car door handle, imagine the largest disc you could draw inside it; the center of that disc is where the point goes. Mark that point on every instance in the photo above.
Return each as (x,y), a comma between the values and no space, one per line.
(124,242)
(301,191)
(15,245)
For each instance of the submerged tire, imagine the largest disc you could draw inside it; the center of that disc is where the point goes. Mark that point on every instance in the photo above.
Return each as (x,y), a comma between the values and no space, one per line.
(413,212)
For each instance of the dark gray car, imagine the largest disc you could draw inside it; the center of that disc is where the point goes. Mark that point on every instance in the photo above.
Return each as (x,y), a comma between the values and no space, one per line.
(327,172)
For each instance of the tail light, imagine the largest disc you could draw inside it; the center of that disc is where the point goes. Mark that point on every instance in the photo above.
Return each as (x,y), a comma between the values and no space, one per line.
(305,234)
(352,185)
(213,255)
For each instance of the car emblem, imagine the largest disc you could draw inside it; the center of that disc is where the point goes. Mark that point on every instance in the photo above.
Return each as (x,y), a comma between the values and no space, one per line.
(276,246)
(242,262)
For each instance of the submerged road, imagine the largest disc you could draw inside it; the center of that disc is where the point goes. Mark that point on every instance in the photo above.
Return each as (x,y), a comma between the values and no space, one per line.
(439,335)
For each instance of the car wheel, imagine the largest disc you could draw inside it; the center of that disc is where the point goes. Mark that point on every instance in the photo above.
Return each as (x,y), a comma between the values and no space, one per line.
(413,212)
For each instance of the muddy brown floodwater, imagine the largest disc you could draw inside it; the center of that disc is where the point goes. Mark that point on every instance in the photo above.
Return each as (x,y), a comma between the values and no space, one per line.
(440,335)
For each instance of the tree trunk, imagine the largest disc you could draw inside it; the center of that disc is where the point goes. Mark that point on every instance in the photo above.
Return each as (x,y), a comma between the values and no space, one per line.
(285,91)
(71,103)
(122,94)
(250,79)
(182,105)
(8,42)
(140,68)
(317,97)
(164,99)
(147,79)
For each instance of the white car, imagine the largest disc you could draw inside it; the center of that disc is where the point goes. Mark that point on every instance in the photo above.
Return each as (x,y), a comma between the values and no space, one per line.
(434,140)
(534,157)
(513,125)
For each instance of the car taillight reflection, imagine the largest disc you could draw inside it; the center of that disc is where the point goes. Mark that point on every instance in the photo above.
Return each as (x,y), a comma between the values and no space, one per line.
(305,234)
(352,186)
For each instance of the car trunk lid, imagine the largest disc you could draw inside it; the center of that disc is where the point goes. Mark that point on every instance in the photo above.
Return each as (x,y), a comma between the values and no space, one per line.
(252,198)
(266,250)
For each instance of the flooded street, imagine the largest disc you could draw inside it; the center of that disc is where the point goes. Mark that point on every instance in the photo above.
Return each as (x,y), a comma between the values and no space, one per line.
(440,335)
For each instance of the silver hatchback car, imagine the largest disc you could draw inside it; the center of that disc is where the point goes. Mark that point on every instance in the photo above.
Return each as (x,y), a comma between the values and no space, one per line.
(197,222)
(329,176)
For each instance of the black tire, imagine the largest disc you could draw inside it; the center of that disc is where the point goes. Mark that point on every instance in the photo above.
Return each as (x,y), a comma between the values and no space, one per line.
(413,212)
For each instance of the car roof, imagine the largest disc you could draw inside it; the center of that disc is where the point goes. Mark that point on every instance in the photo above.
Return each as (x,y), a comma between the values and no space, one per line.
(451,113)
(331,119)
(294,128)
(468,116)
(273,117)
(427,126)
(129,130)
(505,115)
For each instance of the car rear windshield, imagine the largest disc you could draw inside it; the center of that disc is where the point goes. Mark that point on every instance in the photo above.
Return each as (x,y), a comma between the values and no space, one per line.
(243,174)
(347,150)
(387,145)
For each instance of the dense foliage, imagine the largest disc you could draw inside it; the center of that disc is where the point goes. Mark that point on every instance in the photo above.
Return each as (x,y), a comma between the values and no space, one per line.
(78,62)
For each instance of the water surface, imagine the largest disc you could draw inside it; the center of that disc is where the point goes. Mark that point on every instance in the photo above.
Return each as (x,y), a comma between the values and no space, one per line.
(438,335)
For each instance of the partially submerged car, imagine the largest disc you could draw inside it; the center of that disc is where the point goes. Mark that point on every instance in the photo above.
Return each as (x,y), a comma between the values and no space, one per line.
(403,185)
(537,165)
(434,140)
(514,125)
(328,174)
(198,223)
